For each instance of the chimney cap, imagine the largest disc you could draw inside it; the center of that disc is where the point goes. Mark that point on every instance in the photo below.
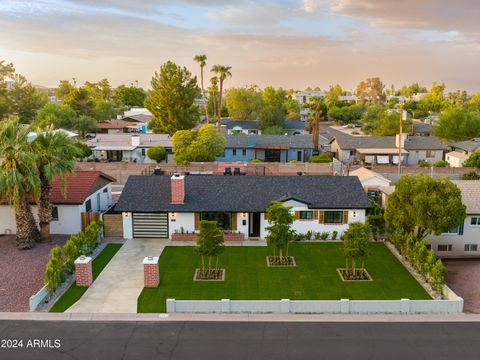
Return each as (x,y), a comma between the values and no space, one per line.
(177,176)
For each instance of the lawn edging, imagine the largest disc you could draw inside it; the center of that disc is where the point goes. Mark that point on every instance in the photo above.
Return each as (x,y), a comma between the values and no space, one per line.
(73,293)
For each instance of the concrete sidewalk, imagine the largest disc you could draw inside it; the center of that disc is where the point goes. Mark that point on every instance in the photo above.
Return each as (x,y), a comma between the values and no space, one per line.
(236,317)
(118,286)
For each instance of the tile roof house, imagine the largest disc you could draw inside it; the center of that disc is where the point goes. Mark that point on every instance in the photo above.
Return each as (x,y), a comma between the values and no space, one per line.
(160,206)
(128,147)
(267,148)
(85,191)
(117,126)
(384,149)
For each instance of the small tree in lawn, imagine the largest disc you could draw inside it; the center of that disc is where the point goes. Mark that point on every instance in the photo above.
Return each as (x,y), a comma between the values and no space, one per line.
(210,243)
(356,244)
(157,153)
(280,233)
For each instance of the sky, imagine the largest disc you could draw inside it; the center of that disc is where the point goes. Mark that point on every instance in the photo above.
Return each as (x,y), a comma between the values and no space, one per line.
(288,43)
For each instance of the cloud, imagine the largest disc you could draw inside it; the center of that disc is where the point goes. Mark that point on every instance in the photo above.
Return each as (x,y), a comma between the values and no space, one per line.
(442,16)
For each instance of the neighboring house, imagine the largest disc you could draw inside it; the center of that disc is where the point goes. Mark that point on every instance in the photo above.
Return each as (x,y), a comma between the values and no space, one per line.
(267,148)
(303,97)
(238,127)
(160,206)
(420,128)
(384,149)
(85,191)
(371,182)
(119,126)
(461,150)
(464,240)
(70,134)
(128,147)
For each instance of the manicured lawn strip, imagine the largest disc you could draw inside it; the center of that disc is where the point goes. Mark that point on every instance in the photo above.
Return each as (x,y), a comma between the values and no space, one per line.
(74,293)
(248,277)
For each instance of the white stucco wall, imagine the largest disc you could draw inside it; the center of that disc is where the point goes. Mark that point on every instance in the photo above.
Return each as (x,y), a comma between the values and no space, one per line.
(178,220)
(105,199)
(69,220)
(471,235)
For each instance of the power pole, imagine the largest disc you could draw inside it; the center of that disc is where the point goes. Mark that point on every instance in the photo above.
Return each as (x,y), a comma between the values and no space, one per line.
(400,140)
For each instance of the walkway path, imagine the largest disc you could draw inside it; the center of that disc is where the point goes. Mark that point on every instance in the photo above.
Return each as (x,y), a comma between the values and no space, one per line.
(118,286)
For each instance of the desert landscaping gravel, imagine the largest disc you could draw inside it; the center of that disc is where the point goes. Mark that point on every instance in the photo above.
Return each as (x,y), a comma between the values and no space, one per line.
(21,271)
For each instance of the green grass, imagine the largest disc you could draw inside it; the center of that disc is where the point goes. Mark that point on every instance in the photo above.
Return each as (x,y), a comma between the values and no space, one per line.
(249,278)
(74,293)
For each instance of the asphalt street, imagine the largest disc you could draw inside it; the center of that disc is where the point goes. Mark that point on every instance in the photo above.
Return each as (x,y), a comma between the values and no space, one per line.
(239,340)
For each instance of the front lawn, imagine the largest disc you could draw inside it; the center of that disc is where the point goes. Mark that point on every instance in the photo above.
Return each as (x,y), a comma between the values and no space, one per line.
(248,278)
(74,292)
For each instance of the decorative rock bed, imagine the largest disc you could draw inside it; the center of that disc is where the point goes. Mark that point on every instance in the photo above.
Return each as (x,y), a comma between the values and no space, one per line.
(348,275)
(209,275)
(281,261)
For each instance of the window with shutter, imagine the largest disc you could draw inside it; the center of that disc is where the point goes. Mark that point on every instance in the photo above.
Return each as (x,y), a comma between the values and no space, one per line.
(321,217)
(345,217)
(297,215)
(234,221)
(197,221)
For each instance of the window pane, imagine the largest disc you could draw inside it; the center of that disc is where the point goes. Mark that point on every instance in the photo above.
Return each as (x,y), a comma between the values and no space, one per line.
(473,247)
(333,217)
(306,215)
(467,247)
(224,220)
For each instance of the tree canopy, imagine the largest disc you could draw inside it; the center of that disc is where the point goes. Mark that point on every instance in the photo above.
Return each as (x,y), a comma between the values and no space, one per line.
(421,205)
(172,99)
(129,96)
(458,123)
(244,104)
(204,144)
(280,232)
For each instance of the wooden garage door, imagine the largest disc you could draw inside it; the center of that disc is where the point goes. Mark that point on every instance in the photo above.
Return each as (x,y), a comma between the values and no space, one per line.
(148,225)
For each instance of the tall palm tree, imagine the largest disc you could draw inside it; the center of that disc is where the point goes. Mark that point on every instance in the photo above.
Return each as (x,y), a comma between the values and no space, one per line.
(202,61)
(213,95)
(56,155)
(19,180)
(316,104)
(222,72)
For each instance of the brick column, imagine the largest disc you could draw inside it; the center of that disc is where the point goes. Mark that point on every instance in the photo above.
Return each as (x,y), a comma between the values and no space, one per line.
(83,271)
(150,272)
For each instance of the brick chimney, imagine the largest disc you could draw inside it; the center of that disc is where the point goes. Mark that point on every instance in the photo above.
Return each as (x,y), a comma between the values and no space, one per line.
(177,184)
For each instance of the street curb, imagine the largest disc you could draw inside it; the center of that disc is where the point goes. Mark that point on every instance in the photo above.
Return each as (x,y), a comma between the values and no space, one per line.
(38,316)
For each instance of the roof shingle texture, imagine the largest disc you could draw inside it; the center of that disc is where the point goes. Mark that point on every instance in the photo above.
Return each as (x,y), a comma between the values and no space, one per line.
(241,193)
(388,142)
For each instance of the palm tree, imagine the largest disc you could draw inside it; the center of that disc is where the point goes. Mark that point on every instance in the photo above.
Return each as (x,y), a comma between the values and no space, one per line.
(202,60)
(213,95)
(315,105)
(222,72)
(56,155)
(19,179)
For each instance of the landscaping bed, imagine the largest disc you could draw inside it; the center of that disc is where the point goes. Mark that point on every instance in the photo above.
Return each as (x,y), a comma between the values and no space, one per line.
(357,275)
(209,275)
(249,278)
(74,292)
(283,261)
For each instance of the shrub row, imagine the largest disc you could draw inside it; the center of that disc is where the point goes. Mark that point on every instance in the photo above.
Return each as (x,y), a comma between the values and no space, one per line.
(314,235)
(422,259)
(62,263)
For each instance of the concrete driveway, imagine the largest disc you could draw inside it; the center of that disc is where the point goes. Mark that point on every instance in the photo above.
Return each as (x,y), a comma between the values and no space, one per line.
(118,286)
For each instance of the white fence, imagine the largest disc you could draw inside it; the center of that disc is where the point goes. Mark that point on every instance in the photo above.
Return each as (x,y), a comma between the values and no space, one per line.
(36,299)
(343,306)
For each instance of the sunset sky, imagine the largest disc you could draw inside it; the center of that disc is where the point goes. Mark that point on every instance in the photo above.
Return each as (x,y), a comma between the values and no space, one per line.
(286,43)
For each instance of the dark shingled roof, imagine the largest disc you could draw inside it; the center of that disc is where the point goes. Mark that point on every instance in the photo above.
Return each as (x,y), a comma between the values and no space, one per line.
(241,193)
(252,141)
(388,142)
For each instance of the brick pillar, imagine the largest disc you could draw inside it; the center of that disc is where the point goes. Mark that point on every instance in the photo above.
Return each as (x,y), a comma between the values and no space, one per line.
(150,272)
(83,271)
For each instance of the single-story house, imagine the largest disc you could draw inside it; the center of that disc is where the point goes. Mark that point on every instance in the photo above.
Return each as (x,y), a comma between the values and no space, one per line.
(237,127)
(461,150)
(464,240)
(384,149)
(119,126)
(162,206)
(420,128)
(371,182)
(85,191)
(267,148)
(128,147)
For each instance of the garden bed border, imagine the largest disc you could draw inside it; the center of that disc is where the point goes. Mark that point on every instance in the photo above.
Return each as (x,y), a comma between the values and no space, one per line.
(198,269)
(285,266)
(339,271)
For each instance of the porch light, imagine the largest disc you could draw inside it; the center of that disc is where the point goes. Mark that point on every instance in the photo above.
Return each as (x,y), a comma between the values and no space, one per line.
(244,214)
(125,214)
(174,215)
